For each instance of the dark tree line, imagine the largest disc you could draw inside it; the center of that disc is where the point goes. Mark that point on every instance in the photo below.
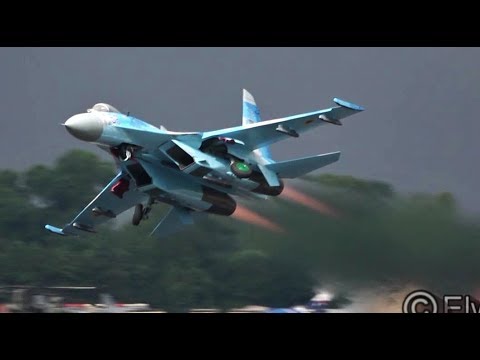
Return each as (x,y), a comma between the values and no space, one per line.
(380,236)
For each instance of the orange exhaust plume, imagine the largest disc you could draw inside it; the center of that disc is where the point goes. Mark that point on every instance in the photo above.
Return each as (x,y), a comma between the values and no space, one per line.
(300,198)
(251,217)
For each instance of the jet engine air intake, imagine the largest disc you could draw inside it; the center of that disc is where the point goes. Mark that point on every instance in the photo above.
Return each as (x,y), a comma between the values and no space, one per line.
(180,156)
(222,204)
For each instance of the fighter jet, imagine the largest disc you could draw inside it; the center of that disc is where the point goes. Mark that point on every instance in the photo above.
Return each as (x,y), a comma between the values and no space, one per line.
(193,172)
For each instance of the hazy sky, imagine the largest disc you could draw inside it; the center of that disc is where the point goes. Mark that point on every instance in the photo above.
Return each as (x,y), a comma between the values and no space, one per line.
(419,132)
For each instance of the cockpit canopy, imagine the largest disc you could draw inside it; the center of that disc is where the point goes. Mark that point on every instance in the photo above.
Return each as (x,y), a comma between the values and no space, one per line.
(104,108)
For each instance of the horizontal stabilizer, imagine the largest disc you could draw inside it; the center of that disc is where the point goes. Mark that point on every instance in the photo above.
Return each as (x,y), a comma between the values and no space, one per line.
(175,219)
(294,168)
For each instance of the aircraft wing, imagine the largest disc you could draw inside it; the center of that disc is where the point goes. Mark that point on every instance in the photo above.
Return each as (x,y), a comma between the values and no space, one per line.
(105,206)
(151,138)
(264,133)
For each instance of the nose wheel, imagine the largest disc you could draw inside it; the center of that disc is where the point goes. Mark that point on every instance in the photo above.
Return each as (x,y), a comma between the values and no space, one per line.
(128,155)
(124,152)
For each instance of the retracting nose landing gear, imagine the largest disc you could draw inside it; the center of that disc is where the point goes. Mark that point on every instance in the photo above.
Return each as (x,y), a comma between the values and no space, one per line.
(141,212)
(124,152)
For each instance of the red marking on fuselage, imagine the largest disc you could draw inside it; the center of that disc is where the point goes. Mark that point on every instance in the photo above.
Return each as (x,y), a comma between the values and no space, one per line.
(120,188)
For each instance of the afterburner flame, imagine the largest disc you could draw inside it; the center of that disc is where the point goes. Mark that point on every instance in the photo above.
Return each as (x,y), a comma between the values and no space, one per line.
(298,197)
(251,217)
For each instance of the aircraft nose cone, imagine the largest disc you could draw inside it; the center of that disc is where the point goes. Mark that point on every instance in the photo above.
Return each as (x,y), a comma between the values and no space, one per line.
(86,127)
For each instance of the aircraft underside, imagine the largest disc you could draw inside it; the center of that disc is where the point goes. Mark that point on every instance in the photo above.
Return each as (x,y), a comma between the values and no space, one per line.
(176,178)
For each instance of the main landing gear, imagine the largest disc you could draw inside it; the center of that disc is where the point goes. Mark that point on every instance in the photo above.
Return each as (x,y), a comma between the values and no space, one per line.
(240,169)
(141,212)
